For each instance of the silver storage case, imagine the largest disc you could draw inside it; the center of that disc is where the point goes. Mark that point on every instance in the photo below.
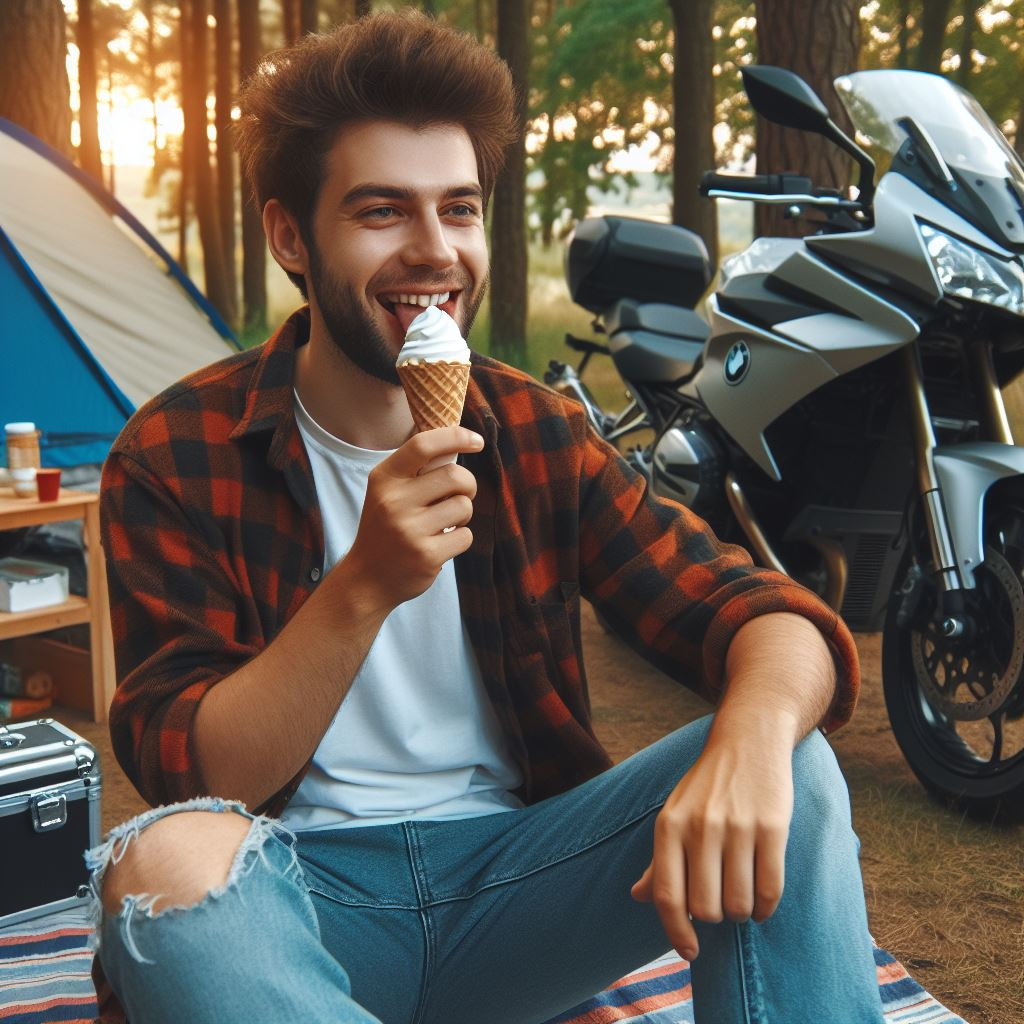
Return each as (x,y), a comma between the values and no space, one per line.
(49,817)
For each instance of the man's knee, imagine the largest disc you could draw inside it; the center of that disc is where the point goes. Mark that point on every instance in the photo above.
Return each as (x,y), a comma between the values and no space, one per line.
(178,859)
(818,782)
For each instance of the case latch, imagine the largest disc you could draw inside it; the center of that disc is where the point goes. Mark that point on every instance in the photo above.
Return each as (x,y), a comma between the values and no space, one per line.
(49,812)
(9,739)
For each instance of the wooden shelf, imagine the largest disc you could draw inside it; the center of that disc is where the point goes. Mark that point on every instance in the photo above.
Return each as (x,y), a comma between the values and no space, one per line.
(16,513)
(72,612)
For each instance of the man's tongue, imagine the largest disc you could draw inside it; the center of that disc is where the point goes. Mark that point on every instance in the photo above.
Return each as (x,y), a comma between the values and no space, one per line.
(406,313)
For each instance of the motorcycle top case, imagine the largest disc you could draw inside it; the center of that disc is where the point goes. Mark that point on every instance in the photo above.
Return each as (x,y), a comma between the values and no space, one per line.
(49,816)
(611,258)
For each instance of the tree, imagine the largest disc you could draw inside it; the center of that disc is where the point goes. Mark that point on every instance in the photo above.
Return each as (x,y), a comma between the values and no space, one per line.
(224,89)
(934,20)
(693,103)
(197,155)
(308,16)
(826,47)
(254,249)
(33,45)
(88,114)
(508,211)
(362,7)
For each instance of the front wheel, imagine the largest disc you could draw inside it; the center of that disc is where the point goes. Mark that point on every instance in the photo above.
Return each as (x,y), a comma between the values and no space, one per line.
(956,705)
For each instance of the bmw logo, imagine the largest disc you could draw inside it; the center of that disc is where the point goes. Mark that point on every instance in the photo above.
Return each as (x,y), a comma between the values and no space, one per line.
(737,362)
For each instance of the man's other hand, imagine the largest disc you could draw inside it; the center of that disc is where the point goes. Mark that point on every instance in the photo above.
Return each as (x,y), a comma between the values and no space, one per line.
(402,542)
(720,839)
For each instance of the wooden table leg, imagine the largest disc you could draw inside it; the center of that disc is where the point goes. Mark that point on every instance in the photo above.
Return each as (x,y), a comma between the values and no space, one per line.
(101,642)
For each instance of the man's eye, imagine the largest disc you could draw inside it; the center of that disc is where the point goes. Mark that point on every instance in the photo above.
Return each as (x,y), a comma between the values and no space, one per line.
(463,210)
(380,213)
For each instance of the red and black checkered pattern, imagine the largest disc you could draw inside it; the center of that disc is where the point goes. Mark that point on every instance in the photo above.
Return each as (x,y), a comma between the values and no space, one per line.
(213,532)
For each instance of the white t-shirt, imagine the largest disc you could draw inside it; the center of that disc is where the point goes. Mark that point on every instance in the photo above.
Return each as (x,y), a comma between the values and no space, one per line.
(415,736)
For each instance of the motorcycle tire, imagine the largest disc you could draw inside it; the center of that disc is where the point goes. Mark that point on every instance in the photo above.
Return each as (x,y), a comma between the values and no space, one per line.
(948,755)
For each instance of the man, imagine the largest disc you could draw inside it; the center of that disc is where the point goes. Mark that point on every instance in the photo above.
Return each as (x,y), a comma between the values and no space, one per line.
(299,629)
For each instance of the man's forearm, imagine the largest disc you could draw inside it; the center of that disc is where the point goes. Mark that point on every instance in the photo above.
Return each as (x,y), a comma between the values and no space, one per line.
(780,678)
(257,727)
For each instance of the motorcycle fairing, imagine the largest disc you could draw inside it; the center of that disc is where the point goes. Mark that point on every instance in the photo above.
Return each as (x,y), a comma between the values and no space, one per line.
(893,251)
(965,473)
(780,373)
(792,359)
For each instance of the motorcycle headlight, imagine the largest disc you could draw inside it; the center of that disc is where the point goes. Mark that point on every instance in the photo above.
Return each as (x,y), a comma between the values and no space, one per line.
(973,274)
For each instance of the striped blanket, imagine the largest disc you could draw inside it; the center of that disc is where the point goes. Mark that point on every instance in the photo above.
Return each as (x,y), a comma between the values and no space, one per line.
(45,979)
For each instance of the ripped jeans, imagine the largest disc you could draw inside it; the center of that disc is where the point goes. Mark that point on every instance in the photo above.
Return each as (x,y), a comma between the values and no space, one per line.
(507,918)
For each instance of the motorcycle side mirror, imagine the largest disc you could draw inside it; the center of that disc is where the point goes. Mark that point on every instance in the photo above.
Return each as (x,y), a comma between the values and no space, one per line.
(783,97)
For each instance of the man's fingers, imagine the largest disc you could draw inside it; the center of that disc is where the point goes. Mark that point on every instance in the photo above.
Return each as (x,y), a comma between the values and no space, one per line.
(738,877)
(704,872)
(769,871)
(454,511)
(641,890)
(668,889)
(427,446)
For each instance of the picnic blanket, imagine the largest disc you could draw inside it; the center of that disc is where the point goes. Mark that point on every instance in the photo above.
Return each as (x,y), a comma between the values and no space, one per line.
(45,965)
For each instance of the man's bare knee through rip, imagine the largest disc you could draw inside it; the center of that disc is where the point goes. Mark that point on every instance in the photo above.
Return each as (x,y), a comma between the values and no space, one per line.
(178,859)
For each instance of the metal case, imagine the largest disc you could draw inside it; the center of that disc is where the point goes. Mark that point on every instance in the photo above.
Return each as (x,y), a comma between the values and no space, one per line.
(49,815)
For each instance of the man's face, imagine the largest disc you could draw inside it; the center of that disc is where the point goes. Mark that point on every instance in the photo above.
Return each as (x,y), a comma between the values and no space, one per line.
(398,225)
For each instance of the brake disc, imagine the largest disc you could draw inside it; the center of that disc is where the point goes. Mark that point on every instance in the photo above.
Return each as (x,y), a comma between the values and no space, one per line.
(948,671)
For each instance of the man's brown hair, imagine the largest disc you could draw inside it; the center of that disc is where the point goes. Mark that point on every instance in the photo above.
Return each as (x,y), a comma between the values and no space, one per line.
(392,66)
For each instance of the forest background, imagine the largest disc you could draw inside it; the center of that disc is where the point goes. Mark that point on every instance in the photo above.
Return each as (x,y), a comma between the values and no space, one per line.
(624,105)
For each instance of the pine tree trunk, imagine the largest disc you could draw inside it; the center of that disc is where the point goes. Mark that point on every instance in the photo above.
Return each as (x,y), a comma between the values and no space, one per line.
(151,76)
(934,19)
(363,7)
(826,46)
(964,71)
(290,21)
(903,52)
(224,92)
(88,116)
(205,199)
(308,17)
(34,89)
(508,217)
(187,130)
(693,99)
(254,248)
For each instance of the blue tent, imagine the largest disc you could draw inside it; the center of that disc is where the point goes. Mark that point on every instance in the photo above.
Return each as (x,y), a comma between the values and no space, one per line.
(97,317)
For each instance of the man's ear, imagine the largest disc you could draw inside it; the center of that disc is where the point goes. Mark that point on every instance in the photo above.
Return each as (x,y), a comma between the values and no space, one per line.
(283,237)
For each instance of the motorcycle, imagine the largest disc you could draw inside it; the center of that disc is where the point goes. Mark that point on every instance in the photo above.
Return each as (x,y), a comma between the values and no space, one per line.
(842,414)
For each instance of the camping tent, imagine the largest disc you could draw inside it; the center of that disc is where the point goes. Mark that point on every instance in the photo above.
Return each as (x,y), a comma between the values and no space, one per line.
(97,317)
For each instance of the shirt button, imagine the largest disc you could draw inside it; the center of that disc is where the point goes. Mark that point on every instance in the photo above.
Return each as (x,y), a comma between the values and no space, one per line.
(314,574)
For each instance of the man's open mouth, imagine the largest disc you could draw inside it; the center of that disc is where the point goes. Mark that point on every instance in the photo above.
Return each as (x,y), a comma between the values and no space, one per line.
(406,306)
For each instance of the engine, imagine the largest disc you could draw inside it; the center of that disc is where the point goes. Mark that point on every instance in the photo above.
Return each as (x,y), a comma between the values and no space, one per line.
(688,465)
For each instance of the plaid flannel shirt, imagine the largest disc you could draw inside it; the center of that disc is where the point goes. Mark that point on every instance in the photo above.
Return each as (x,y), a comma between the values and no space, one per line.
(214,539)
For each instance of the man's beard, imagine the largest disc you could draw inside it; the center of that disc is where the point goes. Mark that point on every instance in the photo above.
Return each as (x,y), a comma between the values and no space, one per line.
(352,329)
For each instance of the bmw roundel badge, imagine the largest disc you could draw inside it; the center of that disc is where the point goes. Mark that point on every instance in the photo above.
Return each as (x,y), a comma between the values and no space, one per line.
(737,362)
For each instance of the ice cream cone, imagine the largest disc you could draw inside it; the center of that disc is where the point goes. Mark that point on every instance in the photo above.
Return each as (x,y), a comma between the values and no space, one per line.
(436,392)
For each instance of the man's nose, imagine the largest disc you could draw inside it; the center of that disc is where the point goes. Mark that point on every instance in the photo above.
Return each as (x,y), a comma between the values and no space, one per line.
(429,245)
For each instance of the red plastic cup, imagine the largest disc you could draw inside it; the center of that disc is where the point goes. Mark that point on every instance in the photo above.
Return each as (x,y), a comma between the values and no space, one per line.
(48,484)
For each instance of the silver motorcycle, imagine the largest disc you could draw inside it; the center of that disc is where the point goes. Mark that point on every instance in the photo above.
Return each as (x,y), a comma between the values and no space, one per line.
(842,416)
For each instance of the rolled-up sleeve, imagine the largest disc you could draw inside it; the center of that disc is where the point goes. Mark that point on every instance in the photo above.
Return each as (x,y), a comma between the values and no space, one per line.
(678,595)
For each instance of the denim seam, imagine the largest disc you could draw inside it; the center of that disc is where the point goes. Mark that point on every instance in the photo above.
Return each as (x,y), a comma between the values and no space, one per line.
(419,881)
(560,859)
(753,991)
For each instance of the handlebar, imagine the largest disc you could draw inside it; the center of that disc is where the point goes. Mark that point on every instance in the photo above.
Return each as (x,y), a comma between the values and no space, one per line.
(759,184)
(589,347)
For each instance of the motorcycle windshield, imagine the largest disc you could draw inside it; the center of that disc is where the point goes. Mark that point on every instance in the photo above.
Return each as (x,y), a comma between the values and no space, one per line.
(989,175)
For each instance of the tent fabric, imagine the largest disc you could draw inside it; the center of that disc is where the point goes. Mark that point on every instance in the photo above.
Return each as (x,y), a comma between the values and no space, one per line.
(97,316)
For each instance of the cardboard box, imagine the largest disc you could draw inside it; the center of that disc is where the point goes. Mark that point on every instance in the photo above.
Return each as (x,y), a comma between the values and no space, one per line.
(26,584)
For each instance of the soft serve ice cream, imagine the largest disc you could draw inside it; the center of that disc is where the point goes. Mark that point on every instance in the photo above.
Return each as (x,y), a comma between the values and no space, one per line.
(434,369)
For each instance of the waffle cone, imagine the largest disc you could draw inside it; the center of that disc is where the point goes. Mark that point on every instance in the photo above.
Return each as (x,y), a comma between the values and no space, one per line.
(436,392)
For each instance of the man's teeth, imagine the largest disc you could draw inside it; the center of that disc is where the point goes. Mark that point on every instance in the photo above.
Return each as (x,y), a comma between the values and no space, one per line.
(420,300)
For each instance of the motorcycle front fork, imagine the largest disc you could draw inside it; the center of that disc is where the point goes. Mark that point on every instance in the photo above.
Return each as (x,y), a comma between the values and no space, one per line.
(996,426)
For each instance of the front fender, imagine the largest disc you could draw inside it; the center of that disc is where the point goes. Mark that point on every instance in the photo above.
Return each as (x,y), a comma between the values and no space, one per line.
(965,473)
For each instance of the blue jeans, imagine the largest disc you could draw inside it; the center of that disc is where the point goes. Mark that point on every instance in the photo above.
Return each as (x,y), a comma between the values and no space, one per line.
(509,918)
